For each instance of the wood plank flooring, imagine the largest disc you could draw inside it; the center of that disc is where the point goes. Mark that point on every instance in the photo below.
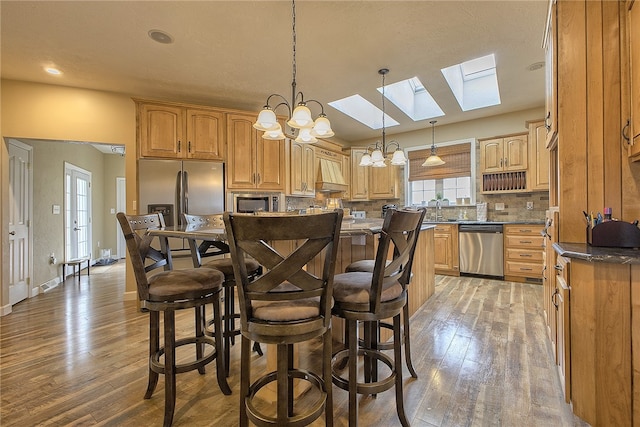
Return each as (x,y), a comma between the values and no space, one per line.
(77,356)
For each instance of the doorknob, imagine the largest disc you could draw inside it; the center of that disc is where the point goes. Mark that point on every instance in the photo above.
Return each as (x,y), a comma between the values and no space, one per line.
(76,229)
(12,233)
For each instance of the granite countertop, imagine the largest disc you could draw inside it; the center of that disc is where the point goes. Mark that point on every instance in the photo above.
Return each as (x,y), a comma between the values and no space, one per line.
(533,222)
(356,227)
(585,252)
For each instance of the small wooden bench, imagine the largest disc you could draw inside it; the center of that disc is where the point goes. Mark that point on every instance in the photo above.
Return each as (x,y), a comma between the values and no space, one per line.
(76,262)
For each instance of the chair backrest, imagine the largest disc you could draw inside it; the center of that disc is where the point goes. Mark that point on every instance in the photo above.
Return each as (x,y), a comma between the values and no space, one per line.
(144,258)
(400,231)
(207,248)
(257,235)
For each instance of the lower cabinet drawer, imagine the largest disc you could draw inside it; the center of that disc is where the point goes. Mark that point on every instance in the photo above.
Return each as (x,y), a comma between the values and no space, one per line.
(515,268)
(525,255)
(526,241)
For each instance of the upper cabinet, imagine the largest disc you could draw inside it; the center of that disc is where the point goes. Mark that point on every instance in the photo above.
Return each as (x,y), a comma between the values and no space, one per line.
(253,162)
(634,58)
(302,170)
(383,182)
(359,183)
(538,174)
(504,154)
(551,64)
(175,131)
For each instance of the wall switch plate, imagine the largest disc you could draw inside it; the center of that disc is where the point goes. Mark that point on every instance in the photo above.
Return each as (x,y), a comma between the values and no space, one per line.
(55,209)
(529,205)
(499,206)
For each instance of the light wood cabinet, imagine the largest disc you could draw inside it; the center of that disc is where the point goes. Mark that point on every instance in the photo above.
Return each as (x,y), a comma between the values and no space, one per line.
(175,131)
(359,182)
(523,252)
(383,183)
(446,255)
(551,78)
(561,301)
(538,173)
(504,154)
(302,170)
(634,59)
(253,162)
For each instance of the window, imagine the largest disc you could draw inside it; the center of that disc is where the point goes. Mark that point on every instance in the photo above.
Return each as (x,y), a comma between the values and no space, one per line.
(454,181)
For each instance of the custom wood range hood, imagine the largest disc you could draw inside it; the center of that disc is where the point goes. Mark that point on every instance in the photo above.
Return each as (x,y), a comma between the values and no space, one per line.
(330,177)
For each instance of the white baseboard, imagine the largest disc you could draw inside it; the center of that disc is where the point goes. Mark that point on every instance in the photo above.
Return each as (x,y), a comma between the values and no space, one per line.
(130,296)
(4,310)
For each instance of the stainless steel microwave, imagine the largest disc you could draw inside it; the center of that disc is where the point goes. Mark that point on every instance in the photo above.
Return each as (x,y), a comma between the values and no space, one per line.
(256,202)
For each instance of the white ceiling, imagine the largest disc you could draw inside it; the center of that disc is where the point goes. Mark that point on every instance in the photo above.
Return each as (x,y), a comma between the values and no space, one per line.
(235,53)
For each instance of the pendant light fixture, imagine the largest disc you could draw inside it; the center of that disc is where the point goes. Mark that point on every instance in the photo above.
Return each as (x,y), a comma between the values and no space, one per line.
(433,159)
(299,117)
(382,150)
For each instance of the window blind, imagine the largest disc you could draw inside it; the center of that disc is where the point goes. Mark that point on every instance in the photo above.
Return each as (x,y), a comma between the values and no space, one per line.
(457,163)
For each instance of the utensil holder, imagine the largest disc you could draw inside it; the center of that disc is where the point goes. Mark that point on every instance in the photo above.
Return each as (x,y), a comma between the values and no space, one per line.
(614,234)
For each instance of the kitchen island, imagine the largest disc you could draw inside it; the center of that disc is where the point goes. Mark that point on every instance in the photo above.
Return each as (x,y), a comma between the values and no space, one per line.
(602,335)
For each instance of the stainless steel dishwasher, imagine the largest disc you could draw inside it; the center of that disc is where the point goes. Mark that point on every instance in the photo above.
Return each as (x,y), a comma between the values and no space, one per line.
(481,249)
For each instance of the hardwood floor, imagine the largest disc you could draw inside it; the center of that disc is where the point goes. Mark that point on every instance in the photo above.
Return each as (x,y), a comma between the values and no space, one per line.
(77,356)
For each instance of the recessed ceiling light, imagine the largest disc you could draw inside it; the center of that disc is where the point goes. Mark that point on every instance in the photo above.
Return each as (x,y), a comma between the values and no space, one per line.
(53,71)
(160,36)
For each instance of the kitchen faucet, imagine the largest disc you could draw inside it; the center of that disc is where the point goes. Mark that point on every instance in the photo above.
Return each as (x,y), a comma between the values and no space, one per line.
(439,210)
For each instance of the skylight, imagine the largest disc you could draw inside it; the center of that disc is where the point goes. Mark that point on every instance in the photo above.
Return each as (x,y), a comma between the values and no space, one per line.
(474,83)
(363,111)
(413,99)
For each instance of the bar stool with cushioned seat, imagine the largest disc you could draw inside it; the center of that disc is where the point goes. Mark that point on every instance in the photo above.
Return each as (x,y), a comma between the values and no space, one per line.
(367,265)
(166,292)
(284,306)
(225,265)
(369,297)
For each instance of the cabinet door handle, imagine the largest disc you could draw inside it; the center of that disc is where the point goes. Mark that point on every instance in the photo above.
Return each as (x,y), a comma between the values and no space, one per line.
(547,125)
(525,269)
(506,162)
(179,145)
(526,255)
(258,181)
(525,231)
(553,298)
(189,146)
(500,162)
(558,267)
(528,242)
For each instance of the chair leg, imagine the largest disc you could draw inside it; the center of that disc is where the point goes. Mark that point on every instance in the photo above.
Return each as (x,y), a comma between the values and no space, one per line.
(407,341)
(327,352)
(353,373)
(245,375)
(221,360)
(283,384)
(199,322)
(397,363)
(154,346)
(169,366)
(229,324)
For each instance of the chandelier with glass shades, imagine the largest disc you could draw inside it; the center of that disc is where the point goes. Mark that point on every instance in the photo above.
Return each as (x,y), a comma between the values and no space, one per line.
(382,150)
(308,130)
(433,159)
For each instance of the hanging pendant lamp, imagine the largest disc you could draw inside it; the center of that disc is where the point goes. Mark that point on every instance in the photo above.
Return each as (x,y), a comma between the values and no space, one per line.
(433,159)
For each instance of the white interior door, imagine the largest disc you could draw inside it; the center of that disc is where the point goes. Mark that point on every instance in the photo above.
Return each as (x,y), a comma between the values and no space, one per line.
(20,236)
(121,206)
(77,208)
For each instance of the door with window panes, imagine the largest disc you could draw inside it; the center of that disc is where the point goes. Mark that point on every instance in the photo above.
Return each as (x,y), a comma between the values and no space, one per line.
(77,205)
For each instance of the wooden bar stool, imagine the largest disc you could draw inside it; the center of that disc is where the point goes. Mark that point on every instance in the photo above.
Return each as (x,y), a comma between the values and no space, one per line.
(224,265)
(284,306)
(369,297)
(166,292)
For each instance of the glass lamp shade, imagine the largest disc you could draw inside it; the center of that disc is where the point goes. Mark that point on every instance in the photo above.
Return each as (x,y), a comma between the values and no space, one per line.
(433,160)
(377,156)
(398,158)
(366,160)
(305,137)
(301,117)
(380,164)
(274,134)
(266,120)
(322,128)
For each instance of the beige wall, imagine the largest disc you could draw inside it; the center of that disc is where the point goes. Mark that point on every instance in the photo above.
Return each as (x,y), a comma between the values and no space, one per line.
(50,112)
(49,159)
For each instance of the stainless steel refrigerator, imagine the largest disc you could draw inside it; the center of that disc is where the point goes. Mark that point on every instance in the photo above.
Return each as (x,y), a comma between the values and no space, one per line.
(172,187)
